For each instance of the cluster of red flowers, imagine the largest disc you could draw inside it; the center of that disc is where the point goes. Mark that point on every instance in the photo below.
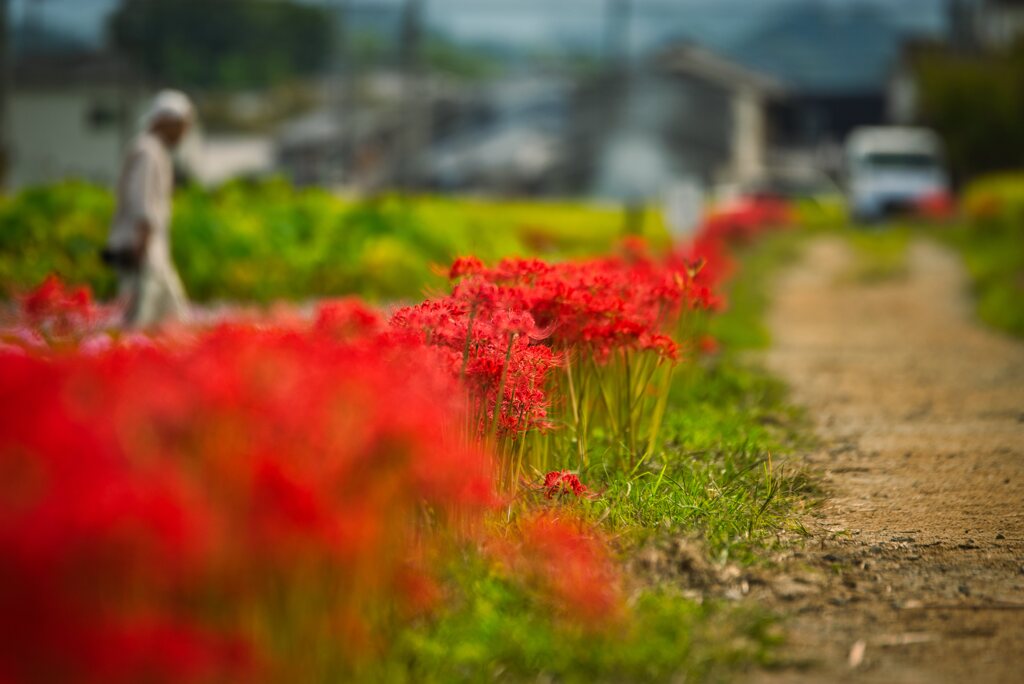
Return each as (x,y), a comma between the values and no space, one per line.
(745,218)
(599,306)
(562,482)
(57,310)
(164,508)
(495,351)
(53,299)
(506,328)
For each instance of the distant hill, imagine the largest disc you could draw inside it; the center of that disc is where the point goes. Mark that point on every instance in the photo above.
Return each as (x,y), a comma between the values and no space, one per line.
(824,49)
(82,20)
(525,22)
(30,39)
(820,45)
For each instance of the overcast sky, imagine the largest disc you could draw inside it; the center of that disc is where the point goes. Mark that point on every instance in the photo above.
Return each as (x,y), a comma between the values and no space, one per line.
(536,22)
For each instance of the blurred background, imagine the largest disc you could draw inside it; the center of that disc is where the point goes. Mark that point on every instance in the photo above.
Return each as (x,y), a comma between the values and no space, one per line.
(596,98)
(666,104)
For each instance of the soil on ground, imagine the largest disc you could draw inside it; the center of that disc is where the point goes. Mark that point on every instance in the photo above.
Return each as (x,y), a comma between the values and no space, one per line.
(914,567)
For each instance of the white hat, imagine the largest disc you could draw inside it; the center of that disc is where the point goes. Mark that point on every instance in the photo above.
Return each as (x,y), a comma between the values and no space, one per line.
(169,105)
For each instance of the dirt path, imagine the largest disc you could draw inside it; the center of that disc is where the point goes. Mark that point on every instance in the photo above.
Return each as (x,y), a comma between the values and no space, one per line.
(915,566)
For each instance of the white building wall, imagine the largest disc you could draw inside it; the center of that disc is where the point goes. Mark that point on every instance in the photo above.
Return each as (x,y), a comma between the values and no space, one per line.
(68,134)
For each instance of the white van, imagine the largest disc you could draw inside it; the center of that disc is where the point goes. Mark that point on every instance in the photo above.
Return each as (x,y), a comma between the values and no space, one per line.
(892,170)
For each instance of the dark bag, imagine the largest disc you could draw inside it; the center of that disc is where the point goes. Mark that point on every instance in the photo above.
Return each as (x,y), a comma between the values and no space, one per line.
(121,259)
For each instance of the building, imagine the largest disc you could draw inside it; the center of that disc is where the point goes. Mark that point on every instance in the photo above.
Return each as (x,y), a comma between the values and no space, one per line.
(689,117)
(504,137)
(736,102)
(71,115)
(397,131)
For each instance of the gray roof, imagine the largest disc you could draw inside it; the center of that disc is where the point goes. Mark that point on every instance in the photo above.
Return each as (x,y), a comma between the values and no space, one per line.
(699,62)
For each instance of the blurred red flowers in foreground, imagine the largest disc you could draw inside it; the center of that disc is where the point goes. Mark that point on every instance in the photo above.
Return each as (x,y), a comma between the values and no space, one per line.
(567,562)
(159,503)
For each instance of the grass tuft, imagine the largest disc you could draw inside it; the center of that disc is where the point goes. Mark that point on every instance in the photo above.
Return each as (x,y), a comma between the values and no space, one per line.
(499,633)
(881,252)
(994,255)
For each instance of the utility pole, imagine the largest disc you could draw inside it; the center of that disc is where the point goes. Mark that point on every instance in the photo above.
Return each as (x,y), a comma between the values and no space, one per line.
(5,92)
(344,84)
(415,110)
(617,56)
(963,29)
(617,52)
(617,28)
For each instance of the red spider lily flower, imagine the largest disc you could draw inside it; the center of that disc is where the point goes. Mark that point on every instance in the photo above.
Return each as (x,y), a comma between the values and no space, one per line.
(743,219)
(633,248)
(709,345)
(49,296)
(162,652)
(464,266)
(347,319)
(493,350)
(563,482)
(940,206)
(568,563)
(59,310)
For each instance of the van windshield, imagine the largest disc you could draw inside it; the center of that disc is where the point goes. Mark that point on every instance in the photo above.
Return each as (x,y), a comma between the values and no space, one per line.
(900,160)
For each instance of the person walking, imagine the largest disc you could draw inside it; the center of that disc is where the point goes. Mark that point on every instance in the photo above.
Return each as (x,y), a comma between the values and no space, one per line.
(139,247)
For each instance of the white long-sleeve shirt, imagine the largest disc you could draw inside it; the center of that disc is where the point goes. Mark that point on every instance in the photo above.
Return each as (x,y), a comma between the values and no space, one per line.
(144,191)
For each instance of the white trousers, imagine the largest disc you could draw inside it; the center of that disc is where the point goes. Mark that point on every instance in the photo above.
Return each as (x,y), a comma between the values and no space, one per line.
(152,295)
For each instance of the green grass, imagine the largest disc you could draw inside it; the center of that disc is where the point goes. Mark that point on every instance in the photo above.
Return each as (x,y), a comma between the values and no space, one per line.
(991,241)
(716,479)
(994,255)
(718,474)
(498,632)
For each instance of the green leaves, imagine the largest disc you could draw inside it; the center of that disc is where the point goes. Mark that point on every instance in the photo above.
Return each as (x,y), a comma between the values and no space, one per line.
(265,241)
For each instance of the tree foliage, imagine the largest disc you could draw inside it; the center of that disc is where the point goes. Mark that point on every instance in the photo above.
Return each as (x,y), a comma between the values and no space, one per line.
(977,105)
(223,43)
